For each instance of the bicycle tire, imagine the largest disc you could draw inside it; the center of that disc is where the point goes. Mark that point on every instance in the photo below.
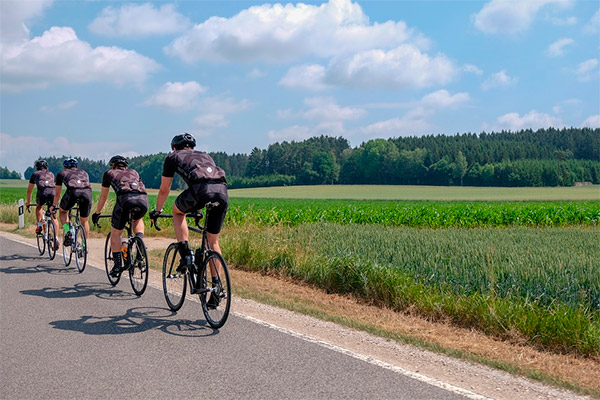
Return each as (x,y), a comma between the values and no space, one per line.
(138,268)
(67,250)
(41,243)
(108,262)
(216,313)
(174,283)
(51,240)
(80,249)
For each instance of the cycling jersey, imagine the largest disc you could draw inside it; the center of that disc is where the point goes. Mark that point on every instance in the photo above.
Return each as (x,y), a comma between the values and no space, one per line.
(123,180)
(193,166)
(42,179)
(73,178)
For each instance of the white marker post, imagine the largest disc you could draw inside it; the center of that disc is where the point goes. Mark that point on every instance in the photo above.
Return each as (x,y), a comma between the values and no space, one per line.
(21,214)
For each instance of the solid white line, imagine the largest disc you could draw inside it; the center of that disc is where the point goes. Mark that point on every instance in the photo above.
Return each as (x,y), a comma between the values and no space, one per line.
(431,381)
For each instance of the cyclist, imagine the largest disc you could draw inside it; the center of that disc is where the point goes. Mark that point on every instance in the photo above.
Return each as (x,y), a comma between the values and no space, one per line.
(131,197)
(77,182)
(44,181)
(206,183)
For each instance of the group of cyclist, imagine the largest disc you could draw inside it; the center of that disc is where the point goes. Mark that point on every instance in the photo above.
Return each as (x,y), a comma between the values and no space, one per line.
(205,180)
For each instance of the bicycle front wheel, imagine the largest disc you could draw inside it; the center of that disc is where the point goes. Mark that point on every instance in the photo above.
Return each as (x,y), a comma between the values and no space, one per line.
(138,270)
(80,249)
(51,240)
(215,292)
(41,243)
(109,263)
(174,283)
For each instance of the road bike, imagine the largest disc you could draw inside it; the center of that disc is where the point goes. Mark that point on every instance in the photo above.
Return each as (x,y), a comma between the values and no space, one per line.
(47,237)
(135,257)
(78,243)
(207,276)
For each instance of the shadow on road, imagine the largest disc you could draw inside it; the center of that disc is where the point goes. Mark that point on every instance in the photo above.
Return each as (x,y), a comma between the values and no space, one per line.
(101,290)
(135,320)
(40,268)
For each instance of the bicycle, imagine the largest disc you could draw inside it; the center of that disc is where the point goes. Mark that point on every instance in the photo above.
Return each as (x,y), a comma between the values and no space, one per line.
(78,244)
(208,275)
(48,234)
(135,258)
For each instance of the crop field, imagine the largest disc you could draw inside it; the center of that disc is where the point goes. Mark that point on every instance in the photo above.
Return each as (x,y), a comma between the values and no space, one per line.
(526,271)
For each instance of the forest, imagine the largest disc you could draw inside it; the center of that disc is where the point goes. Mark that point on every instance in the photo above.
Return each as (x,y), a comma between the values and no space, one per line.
(545,157)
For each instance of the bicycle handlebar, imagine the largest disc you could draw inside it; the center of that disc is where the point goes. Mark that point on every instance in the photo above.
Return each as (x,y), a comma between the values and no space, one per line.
(197,217)
(102,216)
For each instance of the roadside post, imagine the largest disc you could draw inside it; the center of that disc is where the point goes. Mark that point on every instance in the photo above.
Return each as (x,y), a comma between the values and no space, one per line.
(21,214)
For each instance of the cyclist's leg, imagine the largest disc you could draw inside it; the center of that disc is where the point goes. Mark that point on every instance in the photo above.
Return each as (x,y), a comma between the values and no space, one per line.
(66,203)
(140,207)
(118,222)
(180,225)
(85,207)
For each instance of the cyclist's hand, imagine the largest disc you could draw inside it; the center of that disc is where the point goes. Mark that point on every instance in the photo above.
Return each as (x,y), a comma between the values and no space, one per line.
(154,215)
(95,218)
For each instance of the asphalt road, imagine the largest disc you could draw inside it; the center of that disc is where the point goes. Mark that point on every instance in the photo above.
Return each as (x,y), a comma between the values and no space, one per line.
(72,336)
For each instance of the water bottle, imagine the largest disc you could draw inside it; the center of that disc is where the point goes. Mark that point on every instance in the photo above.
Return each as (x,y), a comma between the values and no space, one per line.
(124,247)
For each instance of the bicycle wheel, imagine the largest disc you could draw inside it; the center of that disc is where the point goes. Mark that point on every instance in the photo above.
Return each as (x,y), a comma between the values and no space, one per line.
(41,243)
(108,262)
(174,283)
(215,292)
(51,240)
(138,270)
(80,249)
(67,252)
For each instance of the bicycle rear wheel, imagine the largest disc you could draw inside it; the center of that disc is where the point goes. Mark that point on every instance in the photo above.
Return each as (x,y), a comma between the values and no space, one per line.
(80,249)
(67,252)
(51,240)
(41,243)
(109,263)
(215,292)
(138,270)
(174,283)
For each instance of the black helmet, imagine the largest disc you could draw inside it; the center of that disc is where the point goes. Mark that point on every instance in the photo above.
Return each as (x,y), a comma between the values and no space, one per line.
(184,140)
(41,164)
(70,162)
(118,159)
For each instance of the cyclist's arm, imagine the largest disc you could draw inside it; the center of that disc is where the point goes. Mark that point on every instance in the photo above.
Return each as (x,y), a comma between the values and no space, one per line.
(163,192)
(29,191)
(57,192)
(102,199)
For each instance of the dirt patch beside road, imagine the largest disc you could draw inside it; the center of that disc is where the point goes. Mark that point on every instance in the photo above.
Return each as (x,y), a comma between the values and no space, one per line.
(583,372)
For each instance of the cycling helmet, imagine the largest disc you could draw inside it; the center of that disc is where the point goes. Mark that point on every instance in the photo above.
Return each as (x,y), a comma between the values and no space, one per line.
(70,162)
(41,164)
(118,159)
(184,140)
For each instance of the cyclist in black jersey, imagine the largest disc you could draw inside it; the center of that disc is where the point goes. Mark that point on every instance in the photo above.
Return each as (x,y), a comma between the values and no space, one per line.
(206,183)
(79,190)
(43,179)
(131,198)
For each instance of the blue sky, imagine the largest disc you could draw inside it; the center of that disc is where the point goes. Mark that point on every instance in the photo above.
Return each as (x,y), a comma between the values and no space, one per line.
(97,78)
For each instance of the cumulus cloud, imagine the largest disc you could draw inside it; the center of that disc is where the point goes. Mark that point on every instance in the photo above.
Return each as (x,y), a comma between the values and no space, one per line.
(414,122)
(593,25)
(295,132)
(472,69)
(215,111)
(58,56)
(557,49)
(443,99)
(15,15)
(531,120)
(325,109)
(510,17)
(176,96)
(138,20)
(498,79)
(587,69)
(305,77)
(59,107)
(282,33)
(592,122)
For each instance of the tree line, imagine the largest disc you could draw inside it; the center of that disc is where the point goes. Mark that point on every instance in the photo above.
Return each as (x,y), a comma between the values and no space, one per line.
(545,157)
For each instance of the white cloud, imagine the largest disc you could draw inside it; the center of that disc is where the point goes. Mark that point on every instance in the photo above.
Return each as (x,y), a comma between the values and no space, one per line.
(567,21)
(59,107)
(587,69)
(306,77)
(256,73)
(295,132)
(414,122)
(498,79)
(531,120)
(15,15)
(472,69)
(556,49)
(138,20)
(14,147)
(443,99)
(593,25)
(58,56)
(325,109)
(176,96)
(592,122)
(510,17)
(282,33)
(215,111)
(210,121)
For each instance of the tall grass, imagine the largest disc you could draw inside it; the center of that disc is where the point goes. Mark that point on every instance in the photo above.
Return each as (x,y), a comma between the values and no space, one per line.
(541,286)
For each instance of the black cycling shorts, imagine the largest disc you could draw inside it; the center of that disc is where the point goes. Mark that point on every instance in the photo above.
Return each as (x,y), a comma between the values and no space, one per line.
(134,203)
(196,196)
(45,197)
(83,197)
